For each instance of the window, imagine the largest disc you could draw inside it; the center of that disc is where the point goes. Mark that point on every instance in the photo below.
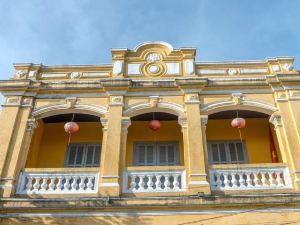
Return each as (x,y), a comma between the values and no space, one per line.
(156,154)
(226,152)
(83,155)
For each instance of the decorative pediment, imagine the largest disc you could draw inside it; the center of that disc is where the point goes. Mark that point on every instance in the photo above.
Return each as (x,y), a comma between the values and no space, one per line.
(153,59)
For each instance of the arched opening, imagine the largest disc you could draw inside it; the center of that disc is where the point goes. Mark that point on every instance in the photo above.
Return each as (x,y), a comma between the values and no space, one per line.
(257,143)
(146,147)
(50,149)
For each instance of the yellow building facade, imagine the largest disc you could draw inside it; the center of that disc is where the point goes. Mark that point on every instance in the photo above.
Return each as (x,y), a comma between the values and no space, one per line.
(195,169)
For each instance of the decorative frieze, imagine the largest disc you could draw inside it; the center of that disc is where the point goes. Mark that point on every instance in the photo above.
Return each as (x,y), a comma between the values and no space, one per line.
(118,67)
(189,67)
(173,68)
(95,74)
(288,67)
(75,75)
(133,69)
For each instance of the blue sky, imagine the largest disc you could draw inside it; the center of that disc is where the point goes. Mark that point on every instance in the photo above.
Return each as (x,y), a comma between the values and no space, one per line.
(84,31)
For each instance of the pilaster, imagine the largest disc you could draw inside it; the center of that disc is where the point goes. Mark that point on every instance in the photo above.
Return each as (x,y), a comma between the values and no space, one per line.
(194,146)
(288,146)
(15,139)
(110,183)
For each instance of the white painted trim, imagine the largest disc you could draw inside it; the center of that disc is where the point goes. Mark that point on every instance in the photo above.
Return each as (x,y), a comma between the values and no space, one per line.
(109,185)
(198,183)
(110,176)
(150,213)
(3,186)
(168,107)
(170,47)
(41,112)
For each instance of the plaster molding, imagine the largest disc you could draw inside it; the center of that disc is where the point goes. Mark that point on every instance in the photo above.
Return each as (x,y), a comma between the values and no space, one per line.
(104,123)
(32,124)
(71,101)
(118,67)
(50,110)
(204,120)
(275,119)
(239,102)
(126,122)
(182,121)
(189,67)
(116,101)
(192,98)
(161,106)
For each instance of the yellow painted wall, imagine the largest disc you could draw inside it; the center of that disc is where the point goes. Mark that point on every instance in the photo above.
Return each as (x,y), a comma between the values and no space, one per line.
(50,152)
(256,134)
(139,131)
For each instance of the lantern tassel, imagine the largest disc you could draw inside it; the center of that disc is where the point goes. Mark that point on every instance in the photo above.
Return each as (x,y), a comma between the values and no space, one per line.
(240,133)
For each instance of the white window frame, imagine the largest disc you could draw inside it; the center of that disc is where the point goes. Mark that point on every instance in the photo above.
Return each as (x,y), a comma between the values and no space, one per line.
(156,160)
(84,157)
(227,152)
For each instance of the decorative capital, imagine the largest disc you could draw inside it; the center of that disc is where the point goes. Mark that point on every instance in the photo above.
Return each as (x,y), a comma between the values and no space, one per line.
(275,119)
(116,101)
(204,120)
(192,98)
(237,98)
(31,125)
(182,121)
(126,122)
(153,100)
(104,123)
(71,102)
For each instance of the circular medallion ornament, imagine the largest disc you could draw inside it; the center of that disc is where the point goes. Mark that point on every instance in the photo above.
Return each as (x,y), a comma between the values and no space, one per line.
(21,73)
(153,69)
(75,75)
(232,72)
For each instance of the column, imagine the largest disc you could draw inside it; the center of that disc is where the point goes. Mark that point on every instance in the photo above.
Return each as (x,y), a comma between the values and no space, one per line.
(288,146)
(15,139)
(194,147)
(110,184)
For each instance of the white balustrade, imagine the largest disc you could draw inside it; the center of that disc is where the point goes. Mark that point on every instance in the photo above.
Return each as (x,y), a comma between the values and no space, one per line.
(58,183)
(250,178)
(154,181)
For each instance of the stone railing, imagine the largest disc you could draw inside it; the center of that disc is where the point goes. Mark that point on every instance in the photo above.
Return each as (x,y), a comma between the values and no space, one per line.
(58,183)
(253,178)
(153,181)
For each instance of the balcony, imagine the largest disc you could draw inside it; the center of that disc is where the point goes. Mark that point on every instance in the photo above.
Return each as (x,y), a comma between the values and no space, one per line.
(150,180)
(58,181)
(249,177)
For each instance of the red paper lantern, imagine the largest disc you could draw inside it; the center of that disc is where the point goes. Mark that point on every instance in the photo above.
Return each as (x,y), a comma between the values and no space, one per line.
(71,127)
(238,123)
(154,125)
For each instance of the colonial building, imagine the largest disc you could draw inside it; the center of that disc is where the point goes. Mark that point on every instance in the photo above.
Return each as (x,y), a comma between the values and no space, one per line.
(156,143)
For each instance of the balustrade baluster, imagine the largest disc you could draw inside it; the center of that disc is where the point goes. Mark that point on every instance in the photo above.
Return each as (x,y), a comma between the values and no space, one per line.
(176,182)
(263,180)
(133,182)
(271,179)
(29,184)
(90,184)
(44,184)
(36,184)
(82,183)
(74,183)
(141,183)
(59,185)
(52,184)
(158,182)
(279,179)
(167,183)
(150,183)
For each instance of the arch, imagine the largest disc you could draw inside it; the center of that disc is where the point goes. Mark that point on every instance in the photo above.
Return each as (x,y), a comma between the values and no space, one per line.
(153,43)
(51,110)
(166,107)
(252,105)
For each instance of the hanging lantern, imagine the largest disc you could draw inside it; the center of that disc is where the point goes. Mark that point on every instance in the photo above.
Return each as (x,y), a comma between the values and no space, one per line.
(238,123)
(71,127)
(154,125)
